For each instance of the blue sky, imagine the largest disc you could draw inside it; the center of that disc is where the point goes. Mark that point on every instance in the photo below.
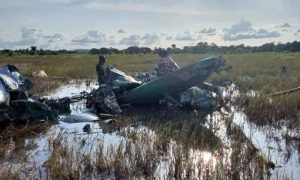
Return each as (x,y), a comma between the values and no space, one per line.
(73,24)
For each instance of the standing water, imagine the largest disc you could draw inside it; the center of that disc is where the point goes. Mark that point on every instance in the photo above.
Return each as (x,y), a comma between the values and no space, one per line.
(184,145)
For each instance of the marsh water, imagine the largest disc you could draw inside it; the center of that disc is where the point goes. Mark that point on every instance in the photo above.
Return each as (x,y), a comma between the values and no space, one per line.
(228,146)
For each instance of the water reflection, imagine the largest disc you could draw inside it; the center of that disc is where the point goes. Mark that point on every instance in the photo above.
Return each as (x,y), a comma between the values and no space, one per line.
(273,144)
(152,141)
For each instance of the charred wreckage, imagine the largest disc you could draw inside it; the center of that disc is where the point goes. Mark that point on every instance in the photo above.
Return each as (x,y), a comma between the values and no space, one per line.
(182,88)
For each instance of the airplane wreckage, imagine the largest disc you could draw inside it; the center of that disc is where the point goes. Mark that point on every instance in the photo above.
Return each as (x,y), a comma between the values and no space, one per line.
(184,87)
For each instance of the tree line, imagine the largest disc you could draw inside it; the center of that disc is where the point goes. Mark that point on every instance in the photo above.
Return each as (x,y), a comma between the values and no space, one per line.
(200,48)
(34,51)
(213,48)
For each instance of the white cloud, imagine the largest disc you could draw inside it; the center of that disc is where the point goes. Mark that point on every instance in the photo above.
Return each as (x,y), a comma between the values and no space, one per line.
(243,30)
(285,25)
(186,36)
(208,31)
(121,31)
(169,37)
(135,40)
(111,40)
(132,40)
(200,37)
(33,37)
(91,37)
(150,39)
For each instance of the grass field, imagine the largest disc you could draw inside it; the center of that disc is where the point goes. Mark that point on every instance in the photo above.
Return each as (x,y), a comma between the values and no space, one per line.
(83,66)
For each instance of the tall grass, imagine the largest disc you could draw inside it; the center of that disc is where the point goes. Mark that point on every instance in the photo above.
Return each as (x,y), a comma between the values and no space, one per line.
(83,66)
(139,158)
(262,71)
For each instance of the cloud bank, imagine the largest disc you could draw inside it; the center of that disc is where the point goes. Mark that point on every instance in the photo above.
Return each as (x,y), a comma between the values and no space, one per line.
(121,31)
(135,40)
(91,37)
(209,31)
(243,30)
(33,37)
(186,36)
(285,25)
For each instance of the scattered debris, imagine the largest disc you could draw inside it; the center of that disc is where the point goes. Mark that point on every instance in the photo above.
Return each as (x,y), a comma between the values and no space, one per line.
(171,89)
(120,82)
(24,110)
(4,94)
(101,115)
(174,83)
(103,100)
(170,101)
(39,74)
(79,118)
(176,89)
(284,92)
(197,99)
(62,105)
(87,128)
(15,104)
(109,121)
(145,76)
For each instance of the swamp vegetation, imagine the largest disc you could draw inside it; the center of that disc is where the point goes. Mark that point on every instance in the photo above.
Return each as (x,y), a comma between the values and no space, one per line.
(258,139)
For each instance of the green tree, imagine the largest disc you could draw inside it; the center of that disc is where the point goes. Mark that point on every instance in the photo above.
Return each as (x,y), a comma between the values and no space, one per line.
(94,51)
(32,50)
(173,46)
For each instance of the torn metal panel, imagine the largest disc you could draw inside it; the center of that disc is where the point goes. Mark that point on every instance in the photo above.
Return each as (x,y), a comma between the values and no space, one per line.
(173,83)
(13,80)
(103,100)
(197,99)
(120,82)
(13,95)
(4,94)
(23,110)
